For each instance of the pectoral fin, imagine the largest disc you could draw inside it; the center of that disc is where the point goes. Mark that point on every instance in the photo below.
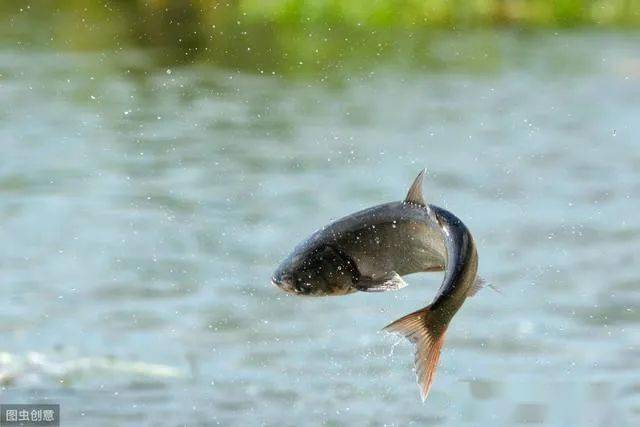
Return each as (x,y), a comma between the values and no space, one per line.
(390,282)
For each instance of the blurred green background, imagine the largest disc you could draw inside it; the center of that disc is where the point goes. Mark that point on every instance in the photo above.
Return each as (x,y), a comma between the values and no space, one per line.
(294,36)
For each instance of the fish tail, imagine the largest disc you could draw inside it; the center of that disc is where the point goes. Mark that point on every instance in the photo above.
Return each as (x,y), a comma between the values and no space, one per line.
(426,329)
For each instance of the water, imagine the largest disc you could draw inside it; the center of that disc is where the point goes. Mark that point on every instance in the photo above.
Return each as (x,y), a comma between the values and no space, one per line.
(144,206)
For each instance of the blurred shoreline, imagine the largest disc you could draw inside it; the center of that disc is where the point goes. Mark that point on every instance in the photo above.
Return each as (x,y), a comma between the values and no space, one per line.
(252,27)
(275,39)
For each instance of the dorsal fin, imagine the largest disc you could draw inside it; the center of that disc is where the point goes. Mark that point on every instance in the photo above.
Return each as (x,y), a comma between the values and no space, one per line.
(415,192)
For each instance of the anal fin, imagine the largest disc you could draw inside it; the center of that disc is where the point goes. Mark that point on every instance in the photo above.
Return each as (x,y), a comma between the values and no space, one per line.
(390,282)
(478,284)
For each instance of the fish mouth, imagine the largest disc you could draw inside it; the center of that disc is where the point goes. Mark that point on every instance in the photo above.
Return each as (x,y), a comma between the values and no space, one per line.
(285,286)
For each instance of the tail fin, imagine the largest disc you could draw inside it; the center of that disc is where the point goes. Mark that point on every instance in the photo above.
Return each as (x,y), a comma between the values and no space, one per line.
(426,330)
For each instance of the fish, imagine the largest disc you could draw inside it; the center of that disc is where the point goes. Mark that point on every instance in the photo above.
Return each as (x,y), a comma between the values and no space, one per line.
(371,250)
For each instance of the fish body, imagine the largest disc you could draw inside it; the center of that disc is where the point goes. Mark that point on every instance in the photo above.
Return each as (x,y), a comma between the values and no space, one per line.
(397,236)
(372,249)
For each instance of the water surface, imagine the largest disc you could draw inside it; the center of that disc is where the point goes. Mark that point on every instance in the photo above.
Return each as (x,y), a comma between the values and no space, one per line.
(143,207)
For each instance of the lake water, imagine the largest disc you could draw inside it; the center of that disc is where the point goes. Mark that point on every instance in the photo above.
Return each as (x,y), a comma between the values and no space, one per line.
(144,206)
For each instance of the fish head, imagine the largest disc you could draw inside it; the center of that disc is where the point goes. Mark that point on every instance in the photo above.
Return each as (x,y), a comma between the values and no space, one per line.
(318,270)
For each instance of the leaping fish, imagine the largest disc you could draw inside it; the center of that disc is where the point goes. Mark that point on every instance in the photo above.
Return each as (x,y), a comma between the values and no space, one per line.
(372,249)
